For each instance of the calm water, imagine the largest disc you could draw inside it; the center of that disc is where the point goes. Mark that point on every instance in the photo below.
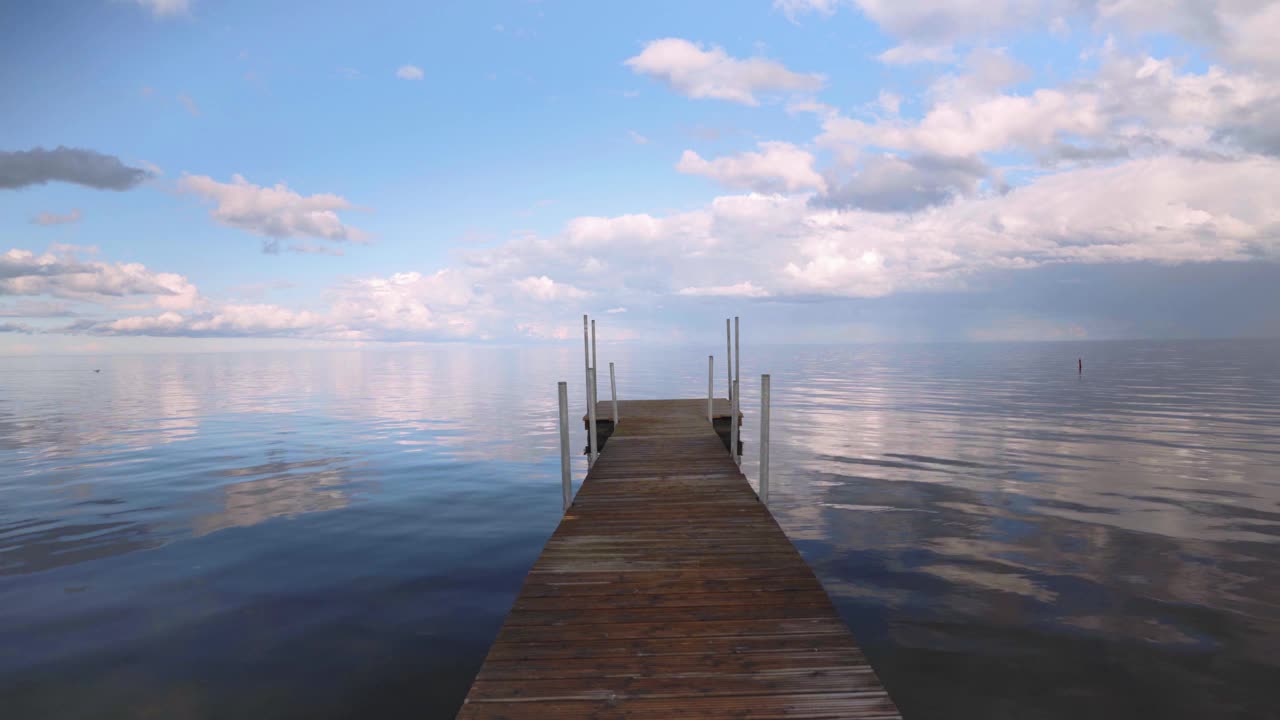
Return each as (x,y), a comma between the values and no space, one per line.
(339,534)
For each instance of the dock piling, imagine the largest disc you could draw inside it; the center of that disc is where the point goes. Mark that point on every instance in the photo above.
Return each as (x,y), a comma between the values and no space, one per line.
(592,448)
(728,359)
(586,362)
(711,386)
(764,439)
(733,424)
(613,389)
(737,356)
(566,479)
(595,379)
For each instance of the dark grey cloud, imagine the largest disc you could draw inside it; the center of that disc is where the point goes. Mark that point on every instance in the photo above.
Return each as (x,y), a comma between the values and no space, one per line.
(14,265)
(1073,153)
(1140,300)
(1256,128)
(887,183)
(8,327)
(63,164)
(34,309)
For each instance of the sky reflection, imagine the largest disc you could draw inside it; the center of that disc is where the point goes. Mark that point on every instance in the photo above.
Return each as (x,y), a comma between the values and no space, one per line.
(976,511)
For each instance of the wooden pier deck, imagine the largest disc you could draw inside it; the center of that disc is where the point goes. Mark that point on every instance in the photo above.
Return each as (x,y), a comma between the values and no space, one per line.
(669,591)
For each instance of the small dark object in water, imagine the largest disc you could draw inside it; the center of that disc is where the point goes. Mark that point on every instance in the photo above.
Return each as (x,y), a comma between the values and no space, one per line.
(96,370)
(1080,365)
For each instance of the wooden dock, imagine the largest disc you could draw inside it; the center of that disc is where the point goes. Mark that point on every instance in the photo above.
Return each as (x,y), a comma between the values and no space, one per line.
(669,591)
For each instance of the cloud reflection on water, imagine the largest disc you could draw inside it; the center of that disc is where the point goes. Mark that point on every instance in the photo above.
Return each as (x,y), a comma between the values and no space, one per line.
(976,511)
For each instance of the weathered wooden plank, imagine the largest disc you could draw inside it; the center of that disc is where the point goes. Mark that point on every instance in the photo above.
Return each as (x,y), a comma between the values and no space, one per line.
(669,591)
(640,649)
(702,663)
(818,706)
(787,597)
(654,630)
(709,683)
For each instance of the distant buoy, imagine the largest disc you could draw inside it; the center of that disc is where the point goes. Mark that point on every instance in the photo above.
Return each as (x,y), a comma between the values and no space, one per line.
(1080,365)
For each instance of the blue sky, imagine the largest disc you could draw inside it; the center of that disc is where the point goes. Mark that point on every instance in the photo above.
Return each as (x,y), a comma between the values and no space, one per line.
(198,174)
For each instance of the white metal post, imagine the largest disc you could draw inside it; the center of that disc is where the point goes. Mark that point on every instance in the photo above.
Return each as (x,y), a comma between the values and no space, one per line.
(595,386)
(592,452)
(613,388)
(711,386)
(586,363)
(764,439)
(733,424)
(737,356)
(728,360)
(566,479)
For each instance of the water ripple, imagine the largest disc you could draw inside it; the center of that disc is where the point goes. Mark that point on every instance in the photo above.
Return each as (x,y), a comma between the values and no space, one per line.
(340,533)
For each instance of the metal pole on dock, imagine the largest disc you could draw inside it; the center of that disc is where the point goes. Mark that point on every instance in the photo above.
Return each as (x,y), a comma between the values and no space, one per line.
(595,387)
(728,360)
(586,362)
(764,439)
(711,386)
(592,452)
(613,388)
(566,479)
(733,424)
(737,357)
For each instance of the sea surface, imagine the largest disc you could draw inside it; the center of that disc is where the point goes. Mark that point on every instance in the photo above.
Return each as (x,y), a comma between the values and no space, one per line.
(339,534)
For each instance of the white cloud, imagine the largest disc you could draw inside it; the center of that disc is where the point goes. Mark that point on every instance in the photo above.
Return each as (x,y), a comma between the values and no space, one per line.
(1135,159)
(62,275)
(1032,122)
(546,330)
(795,8)
(637,138)
(252,320)
(711,73)
(741,290)
(47,218)
(403,306)
(409,72)
(940,22)
(778,167)
(788,247)
(910,54)
(1167,209)
(161,8)
(889,102)
(820,109)
(982,73)
(274,212)
(1240,32)
(443,304)
(1129,107)
(544,289)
